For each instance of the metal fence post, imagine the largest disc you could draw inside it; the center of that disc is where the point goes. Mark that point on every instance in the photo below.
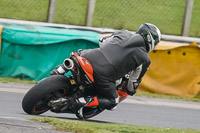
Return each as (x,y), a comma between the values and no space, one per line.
(51,10)
(90,11)
(187,17)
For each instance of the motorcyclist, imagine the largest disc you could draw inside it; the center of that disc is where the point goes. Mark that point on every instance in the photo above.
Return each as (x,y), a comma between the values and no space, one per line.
(122,53)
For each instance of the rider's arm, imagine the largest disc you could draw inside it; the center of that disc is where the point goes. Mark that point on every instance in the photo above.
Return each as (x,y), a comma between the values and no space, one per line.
(105,39)
(116,37)
(135,78)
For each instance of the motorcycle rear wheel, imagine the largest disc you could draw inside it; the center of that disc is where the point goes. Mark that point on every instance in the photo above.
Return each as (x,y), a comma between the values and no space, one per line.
(36,100)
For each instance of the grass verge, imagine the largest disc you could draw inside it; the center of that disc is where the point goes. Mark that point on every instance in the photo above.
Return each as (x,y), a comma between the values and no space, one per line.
(163,96)
(94,127)
(16,80)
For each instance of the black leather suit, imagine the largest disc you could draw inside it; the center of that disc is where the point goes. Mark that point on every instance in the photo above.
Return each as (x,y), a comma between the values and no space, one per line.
(119,54)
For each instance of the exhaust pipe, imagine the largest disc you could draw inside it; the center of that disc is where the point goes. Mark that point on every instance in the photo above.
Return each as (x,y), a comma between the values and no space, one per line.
(68,64)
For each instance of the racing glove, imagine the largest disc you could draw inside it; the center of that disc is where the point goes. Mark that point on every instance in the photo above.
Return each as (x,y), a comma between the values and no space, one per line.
(132,87)
(122,83)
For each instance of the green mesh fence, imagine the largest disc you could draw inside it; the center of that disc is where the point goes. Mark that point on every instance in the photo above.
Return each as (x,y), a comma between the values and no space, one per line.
(71,12)
(34,10)
(195,22)
(130,14)
(168,15)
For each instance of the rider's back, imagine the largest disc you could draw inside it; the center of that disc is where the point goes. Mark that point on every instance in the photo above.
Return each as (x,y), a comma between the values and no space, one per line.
(118,56)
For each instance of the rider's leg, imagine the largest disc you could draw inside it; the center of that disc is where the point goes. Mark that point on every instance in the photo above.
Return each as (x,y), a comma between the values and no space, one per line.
(91,106)
(107,98)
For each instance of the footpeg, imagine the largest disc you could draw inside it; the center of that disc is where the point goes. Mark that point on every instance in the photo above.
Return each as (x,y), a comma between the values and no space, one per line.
(58,104)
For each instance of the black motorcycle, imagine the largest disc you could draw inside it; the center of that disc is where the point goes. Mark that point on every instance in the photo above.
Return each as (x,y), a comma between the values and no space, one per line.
(54,93)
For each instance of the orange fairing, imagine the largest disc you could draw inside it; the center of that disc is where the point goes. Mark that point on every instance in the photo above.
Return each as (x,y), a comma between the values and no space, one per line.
(86,66)
(94,103)
(122,95)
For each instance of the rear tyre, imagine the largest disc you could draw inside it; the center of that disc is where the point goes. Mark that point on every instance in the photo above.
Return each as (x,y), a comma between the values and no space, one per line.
(36,100)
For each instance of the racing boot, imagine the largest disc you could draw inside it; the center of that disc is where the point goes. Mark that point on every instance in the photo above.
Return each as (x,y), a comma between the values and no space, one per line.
(85,106)
(90,106)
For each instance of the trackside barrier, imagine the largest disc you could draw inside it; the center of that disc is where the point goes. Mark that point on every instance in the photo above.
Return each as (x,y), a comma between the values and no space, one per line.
(31,52)
(1,29)
(174,70)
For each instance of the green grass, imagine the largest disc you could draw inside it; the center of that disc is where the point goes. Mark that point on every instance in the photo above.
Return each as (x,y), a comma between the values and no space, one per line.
(94,127)
(168,15)
(154,95)
(16,80)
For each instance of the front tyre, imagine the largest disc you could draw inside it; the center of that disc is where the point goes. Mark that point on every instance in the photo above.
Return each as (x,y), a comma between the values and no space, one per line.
(36,100)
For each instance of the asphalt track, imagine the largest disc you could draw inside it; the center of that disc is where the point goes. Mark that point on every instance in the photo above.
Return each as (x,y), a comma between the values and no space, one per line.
(135,111)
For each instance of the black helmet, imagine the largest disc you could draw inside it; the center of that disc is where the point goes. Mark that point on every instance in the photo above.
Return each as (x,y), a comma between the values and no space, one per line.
(151,35)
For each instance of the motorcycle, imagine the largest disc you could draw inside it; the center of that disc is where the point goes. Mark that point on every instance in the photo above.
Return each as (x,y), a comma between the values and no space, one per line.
(55,92)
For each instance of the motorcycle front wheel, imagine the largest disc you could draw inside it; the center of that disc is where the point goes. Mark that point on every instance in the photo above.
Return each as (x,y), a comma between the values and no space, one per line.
(36,100)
